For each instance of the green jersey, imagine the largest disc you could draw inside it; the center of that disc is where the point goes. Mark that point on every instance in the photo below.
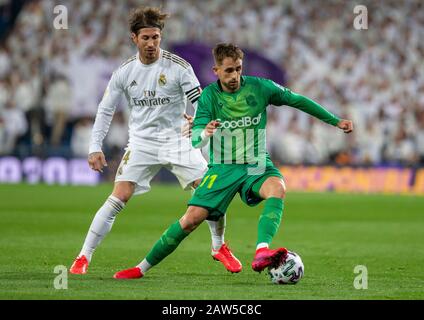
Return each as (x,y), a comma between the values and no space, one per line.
(241,137)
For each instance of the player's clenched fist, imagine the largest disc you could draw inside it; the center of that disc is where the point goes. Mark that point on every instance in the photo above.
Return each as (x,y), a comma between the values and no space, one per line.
(211,128)
(97,161)
(345,125)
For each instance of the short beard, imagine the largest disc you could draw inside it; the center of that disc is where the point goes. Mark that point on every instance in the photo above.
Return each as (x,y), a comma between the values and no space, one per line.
(229,87)
(148,57)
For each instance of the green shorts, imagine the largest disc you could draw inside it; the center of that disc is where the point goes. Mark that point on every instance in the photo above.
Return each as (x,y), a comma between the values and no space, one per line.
(221,183)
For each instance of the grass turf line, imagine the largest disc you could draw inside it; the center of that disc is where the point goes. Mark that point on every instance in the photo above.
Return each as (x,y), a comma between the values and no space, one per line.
(44,226)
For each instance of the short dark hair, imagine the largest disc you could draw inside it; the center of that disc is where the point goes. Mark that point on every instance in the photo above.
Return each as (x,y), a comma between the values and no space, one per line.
(225,50)
(146,17)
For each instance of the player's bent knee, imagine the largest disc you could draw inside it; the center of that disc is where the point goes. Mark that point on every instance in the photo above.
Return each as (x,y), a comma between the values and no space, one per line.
(123,191)
(189,223)
(280,190)
(123,196)
(274,188)
(282,194)
(193,218)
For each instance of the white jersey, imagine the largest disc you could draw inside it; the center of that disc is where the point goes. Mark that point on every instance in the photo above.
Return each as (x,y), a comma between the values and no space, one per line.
(157,97)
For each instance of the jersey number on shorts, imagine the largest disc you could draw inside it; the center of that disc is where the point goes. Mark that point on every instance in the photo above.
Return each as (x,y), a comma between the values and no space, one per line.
(124,161)
(211,179)
(126,157)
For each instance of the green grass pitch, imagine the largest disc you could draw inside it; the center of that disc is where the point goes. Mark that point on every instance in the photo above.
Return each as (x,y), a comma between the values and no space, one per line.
(44,226)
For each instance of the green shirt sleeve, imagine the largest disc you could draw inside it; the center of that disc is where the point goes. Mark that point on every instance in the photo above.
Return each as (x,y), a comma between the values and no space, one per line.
(201,118)
(279,95)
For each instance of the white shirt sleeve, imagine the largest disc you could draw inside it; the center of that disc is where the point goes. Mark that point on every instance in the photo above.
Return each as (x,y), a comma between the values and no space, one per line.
(190,85)
(105,113)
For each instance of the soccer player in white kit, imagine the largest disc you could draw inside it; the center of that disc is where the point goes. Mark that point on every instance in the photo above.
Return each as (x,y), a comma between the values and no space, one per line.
(156,84)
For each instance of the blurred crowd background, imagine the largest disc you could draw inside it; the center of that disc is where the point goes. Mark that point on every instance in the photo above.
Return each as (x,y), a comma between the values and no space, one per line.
(52,80)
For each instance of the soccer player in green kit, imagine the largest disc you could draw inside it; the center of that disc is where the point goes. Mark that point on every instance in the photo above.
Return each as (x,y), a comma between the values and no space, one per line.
(231,114)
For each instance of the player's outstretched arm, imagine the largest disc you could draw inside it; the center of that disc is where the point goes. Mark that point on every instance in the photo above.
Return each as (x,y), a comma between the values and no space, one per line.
(311,107)
(315,109)
(97,161)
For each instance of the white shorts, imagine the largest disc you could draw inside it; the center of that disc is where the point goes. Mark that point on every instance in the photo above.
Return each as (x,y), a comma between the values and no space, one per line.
(140,166)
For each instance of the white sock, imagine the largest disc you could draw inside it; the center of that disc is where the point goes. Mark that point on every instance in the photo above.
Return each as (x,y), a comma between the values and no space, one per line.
(144,266)
(217,229)
(101,225)
(262,245)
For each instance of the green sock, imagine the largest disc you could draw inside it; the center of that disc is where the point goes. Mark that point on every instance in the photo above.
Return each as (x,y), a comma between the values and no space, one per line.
(167,243)
(270,219)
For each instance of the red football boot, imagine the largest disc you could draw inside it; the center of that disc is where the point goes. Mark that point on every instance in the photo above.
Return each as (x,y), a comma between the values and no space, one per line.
(132,273)
(230,262)
(80,265)
(265,257)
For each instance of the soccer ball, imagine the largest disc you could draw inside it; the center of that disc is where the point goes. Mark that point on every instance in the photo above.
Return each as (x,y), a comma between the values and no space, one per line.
(289,271)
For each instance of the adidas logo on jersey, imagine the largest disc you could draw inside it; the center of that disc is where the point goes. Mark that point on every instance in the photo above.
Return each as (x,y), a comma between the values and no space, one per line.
(133,83)
(240,123)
